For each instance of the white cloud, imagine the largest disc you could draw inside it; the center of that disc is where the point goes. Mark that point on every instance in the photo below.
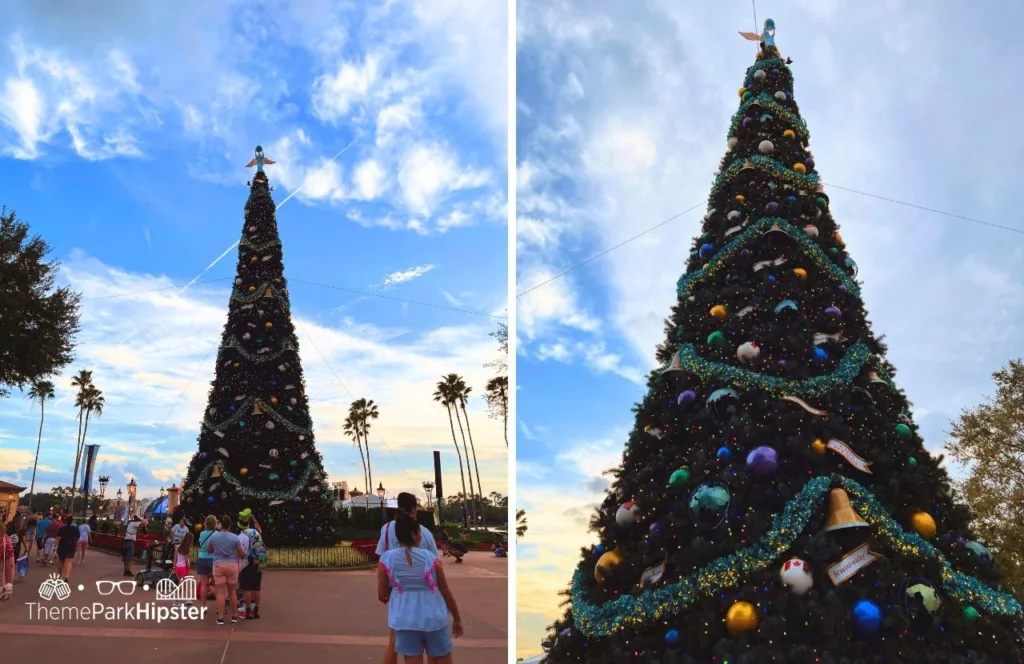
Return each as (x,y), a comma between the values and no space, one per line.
(335,94)
(370,179)
(403,276)
(430,171)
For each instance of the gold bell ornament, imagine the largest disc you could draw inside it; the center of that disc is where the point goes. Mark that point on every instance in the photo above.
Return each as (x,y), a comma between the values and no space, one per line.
(841,513)
(256,410)
(216,471)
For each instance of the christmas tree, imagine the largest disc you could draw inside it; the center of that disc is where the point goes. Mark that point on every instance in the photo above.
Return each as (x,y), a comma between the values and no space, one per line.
(256,449)
(775,502)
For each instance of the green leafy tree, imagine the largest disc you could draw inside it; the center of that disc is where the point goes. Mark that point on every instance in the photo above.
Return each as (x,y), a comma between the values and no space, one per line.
(353,429)
(520,524)
(256,447)
(989,440)
(361,412)
(41,391)
(82,381)
(462,392)
(775,501)
(496,391)
(38,322)
(94,403)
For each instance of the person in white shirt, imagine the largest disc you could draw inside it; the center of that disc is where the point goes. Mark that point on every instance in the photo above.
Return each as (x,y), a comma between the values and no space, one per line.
(84,539)
(179,530)
(407,508)
(131,531)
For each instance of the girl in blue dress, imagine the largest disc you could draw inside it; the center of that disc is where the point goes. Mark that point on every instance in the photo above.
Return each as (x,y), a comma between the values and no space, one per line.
(411,581)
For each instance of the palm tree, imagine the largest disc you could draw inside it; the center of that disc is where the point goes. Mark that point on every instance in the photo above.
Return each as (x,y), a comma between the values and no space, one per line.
(365,410)
(444,396)
(463,395)
(94,402)
(520,523)
(351,428)
(497,400)
(455,387)
(83,381)
(40,391)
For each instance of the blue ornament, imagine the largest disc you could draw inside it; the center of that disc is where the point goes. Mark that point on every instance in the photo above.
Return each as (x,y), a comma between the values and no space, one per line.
(291,527)
(672,637)
(232,408)
(272,476)
(723,453)
(599,548)
(273,382)
(791,199)
(867,616)
(771,277)
(296,499)
(245,382)
(241,423)
(785,305)
(706,251)
(820,354)
(210,499)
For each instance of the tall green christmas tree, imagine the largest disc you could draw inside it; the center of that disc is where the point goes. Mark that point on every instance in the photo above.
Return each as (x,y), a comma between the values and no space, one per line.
(256,448)
(775,502)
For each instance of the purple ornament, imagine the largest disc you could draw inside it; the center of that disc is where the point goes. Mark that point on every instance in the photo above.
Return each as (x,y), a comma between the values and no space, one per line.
(833,311)
(745,255)
(687,398)
(809,163)
(763,461)
(771,207)
(747,122)
(842,288)
(781,363)
(655,528)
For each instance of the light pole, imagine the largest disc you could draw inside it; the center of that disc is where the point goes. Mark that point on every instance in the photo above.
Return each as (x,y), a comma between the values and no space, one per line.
(383,512)
(120,505)
(132,488)
(104,480)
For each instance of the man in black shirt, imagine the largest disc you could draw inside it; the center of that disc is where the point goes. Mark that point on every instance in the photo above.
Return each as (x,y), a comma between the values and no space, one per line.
(67,540)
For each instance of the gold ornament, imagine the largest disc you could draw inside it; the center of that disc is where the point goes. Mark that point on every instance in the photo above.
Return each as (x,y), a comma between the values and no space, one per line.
(718,311)
(273,400)
(235,365)
(216,471)
(924,524)
(253,259)
(742,90)
(243,471)
(800,273)
(818,446)
(606,564)
(741,617)
(838,238)
(740,198)
(841,513)
(268,325)
(799,168)
(789,133)
(252,289)
(256,410)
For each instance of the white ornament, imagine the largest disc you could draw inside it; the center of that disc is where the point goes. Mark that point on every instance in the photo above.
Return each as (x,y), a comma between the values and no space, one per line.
(795,576)
(811,230)
(238,281)
(274,453)
(748,352)
(759,75)
(766,147)
(294,401)
(252,229)
(733,142)
(780,95)
(246,336)
(270,425)
(733,215)
(627,514)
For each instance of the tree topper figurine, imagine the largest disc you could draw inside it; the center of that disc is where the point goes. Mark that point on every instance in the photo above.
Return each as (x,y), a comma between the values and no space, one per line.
(259,160)
(767,37)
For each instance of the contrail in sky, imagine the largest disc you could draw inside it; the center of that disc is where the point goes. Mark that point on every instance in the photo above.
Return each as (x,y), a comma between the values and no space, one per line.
(229,249)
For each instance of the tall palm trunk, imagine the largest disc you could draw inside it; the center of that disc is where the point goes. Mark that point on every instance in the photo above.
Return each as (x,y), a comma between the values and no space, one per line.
(451,423)
(476,466)
(472,491)
(78,448)
(81,455)
(369,466)
(362,456)
(39,443)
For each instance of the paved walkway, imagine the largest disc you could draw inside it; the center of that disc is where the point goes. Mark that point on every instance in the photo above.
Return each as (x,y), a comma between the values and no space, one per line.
(304,616)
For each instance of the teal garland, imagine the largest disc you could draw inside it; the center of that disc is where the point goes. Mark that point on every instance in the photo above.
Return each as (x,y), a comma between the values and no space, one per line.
(254,246)
(771,168)
(244,409)
(768,63)
(636,612)
(848,369)
(247,298)
(783,113)
(688,282)
(242,490)
(258,358)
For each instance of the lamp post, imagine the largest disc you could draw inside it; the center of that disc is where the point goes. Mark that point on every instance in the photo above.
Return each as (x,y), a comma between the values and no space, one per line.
(104,480)
(119,505)
(132,488)
(383,511)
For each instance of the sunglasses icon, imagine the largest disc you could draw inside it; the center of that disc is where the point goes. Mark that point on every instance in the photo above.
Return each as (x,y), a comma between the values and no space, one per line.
(126,587)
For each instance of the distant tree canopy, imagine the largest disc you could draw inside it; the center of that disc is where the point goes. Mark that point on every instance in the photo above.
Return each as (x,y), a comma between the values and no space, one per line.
(990,441)
(38,322)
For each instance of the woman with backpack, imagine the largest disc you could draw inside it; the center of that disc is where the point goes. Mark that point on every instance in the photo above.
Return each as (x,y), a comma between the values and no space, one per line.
(250,578)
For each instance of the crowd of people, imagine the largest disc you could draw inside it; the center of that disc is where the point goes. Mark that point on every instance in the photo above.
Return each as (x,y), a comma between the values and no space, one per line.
(56,537)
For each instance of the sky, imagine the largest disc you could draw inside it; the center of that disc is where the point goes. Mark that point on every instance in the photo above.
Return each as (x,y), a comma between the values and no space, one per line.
(622,115)
(124,136)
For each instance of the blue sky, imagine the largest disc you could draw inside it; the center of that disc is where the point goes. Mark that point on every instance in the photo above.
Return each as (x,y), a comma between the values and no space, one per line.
(622,113)
(123,140)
